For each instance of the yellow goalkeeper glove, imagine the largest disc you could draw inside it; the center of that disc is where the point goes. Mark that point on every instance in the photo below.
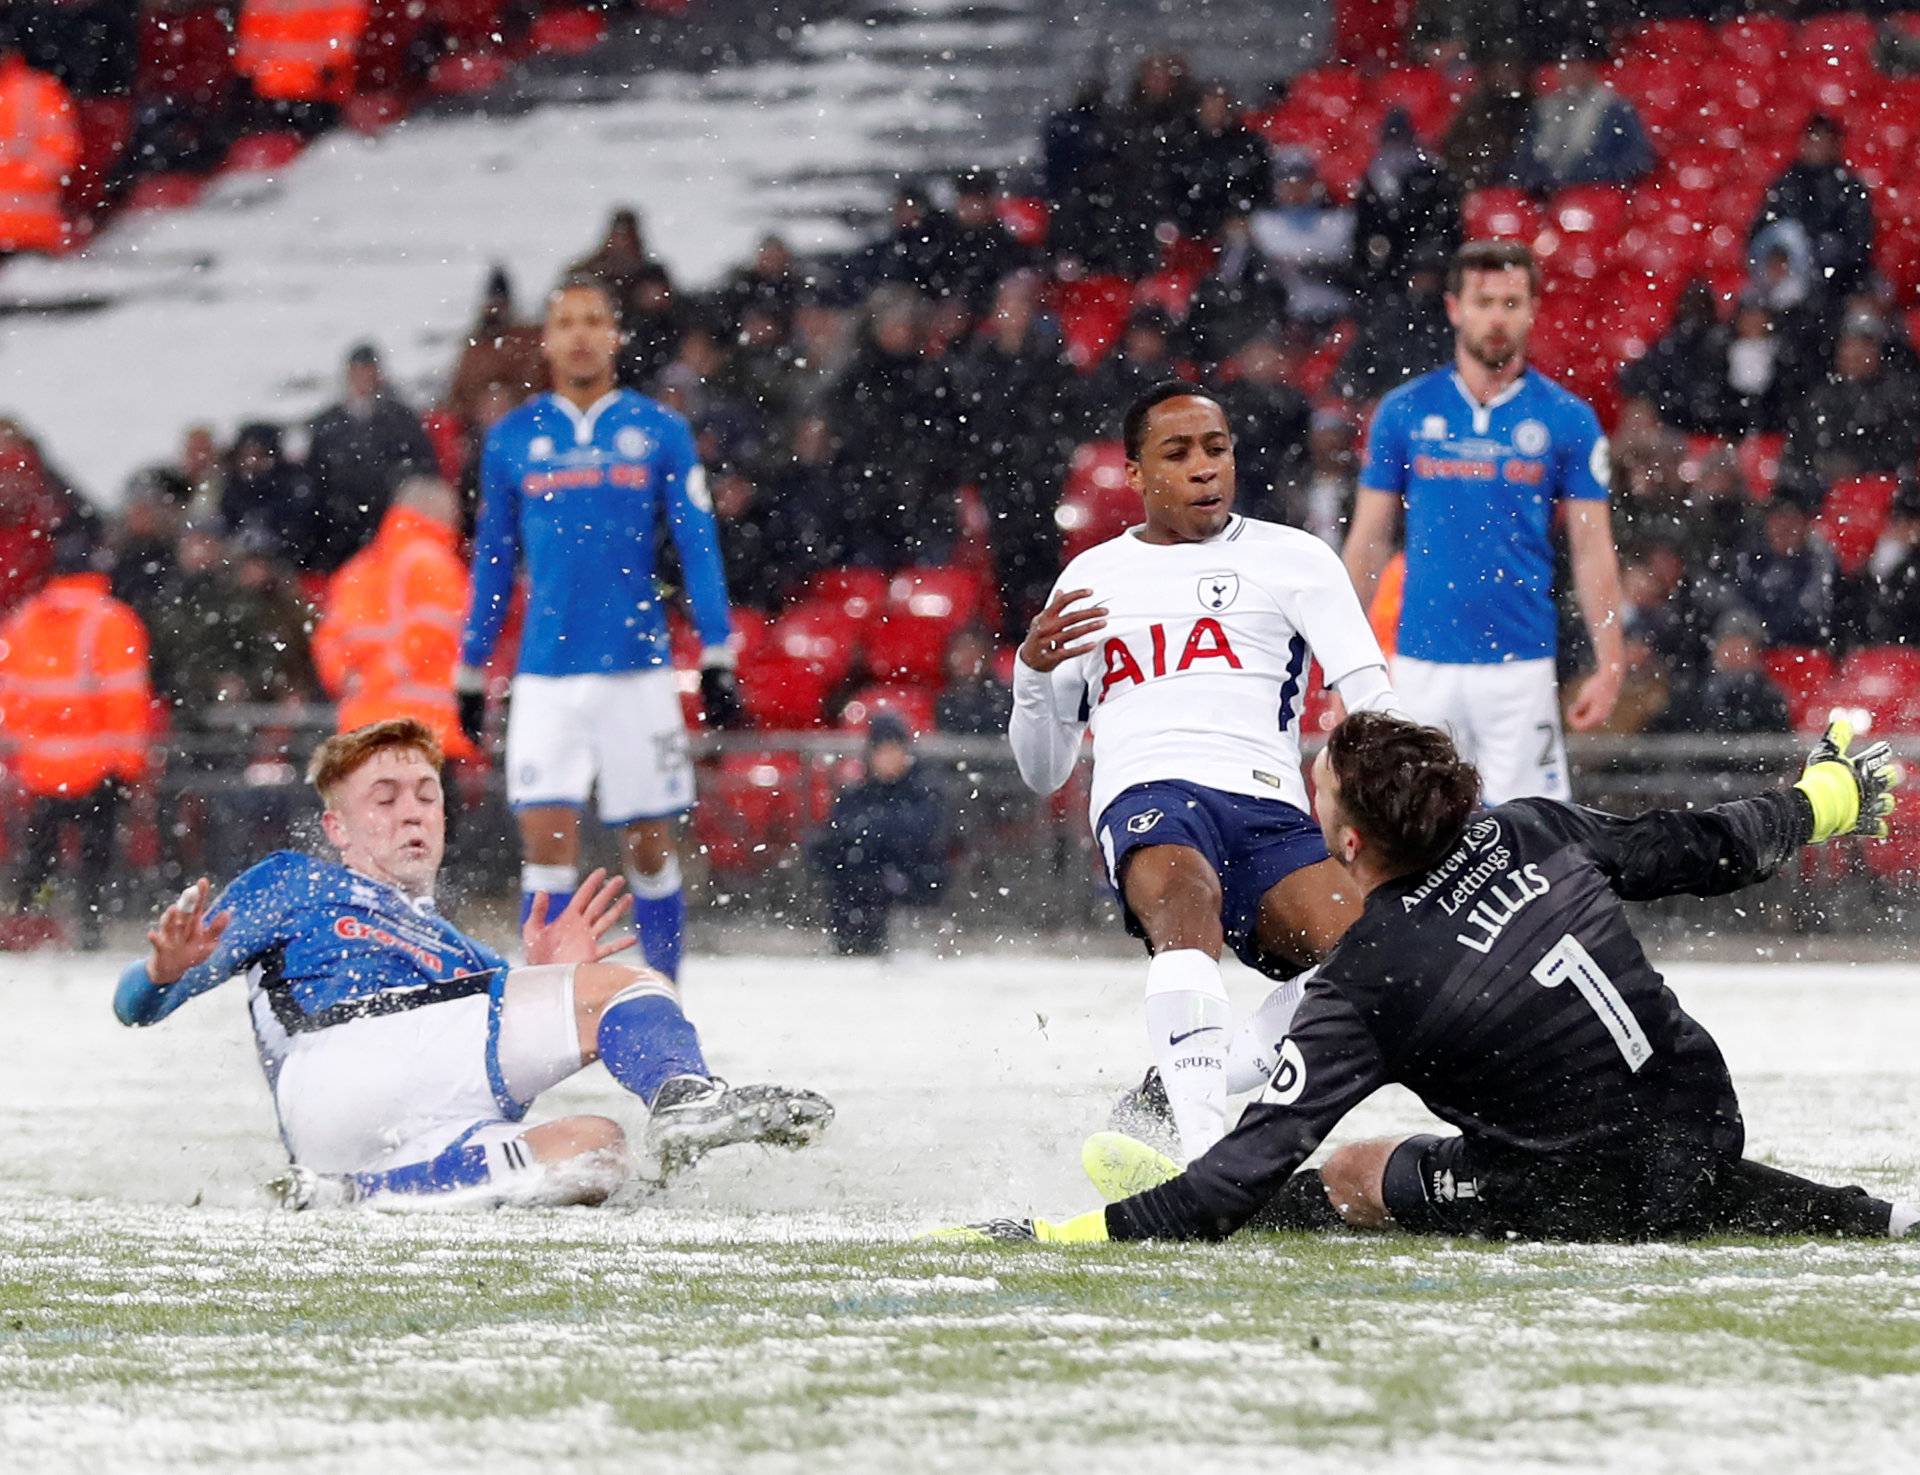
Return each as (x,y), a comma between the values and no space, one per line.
(1083,1229)
(1851,793)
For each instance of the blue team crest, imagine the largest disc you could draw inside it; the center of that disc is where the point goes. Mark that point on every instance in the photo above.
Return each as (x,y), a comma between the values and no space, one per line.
(1530,438)
(1217,591)
(631,440)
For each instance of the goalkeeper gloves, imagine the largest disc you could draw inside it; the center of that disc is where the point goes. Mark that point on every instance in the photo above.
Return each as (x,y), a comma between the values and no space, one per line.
(1851,792)
(1083,1229)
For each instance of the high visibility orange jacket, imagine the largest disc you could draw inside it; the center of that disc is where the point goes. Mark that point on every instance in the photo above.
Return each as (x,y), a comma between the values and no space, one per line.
(1384,613)
(74,694)
(390,638)
(300,50)
(39,145)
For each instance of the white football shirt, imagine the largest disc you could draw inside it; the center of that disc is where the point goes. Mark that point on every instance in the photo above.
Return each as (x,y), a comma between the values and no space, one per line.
(1201,671)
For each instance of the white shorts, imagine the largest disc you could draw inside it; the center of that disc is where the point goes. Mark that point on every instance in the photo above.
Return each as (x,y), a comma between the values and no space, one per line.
(625,729)
(394,1089)
(1505,719)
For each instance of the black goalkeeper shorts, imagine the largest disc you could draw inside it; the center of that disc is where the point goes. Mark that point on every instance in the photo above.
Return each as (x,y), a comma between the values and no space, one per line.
(1443,1185)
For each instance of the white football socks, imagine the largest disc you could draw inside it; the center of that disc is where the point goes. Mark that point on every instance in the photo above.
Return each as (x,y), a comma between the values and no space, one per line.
(1905,1216)
(1255,1048)
(1187,1018)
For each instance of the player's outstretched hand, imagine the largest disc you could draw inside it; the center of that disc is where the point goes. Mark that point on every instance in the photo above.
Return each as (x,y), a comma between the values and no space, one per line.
(1851,792)
(1083,1229)
(578,934)
(1594,702)
(184,937)
(1060,632)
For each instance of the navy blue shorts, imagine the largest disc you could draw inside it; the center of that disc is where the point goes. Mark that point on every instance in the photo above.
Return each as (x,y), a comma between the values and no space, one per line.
(1250,843)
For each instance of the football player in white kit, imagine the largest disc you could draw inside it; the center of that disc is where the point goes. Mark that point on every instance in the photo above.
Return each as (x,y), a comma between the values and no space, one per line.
(1183,644)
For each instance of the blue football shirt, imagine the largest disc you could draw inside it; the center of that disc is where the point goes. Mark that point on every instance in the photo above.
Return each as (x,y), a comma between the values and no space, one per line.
(1478,484)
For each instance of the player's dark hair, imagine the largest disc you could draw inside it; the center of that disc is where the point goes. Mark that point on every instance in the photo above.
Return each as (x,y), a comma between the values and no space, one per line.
(585,281)
(1492,256)
(1133,427)
(1403,786)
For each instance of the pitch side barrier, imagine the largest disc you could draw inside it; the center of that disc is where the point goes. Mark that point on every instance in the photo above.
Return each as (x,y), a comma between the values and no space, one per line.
(1021,865)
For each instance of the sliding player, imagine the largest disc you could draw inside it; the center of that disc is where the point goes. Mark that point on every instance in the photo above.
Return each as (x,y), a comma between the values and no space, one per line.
(1184,644)
(402,1054)
(1495,974)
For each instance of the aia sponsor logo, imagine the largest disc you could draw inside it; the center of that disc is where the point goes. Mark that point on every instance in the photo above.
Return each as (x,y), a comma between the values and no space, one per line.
(1205,641)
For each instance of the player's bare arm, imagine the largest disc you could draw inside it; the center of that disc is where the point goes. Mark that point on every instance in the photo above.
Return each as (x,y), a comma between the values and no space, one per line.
(1370,540)
(579,933)
(1596,583)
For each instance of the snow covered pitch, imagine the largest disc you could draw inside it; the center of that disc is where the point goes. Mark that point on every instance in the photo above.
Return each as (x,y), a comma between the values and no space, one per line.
(768,1314)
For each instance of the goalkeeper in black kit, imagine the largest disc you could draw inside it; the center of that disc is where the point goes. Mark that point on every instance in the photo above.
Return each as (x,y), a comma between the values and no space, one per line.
(1494,973)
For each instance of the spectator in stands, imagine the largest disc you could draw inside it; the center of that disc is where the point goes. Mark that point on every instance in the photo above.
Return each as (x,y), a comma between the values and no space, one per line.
(1859,421)
(653,324)
(824,338)
(1271,421)
(1223,171)
(1402,332)
(184,95)
(769,282)
(499,350)
(1582,132)
(908,251)
(1307,239)
(1408,206)
(621,260)
(772,545)
(145,541)
(885,843)
(974,702)
(1015,399)
(205,469)
(39,145)
(266,496)
(1240,298)
(357,452)
(727,429)
(390,638)
(1321,498)
(976,248)
(1143,358)
(1682,376)
(232,632)
(1737,696)
(88,45)
(1153,133)
(1482,141)
(1723,521)
(36,507)
(1080,174)
(1654,501)
(1894,618)
(1789,579)
(759,372)
(74,707)
(1829,202)
(800,500)
(1672,613)
(892,413)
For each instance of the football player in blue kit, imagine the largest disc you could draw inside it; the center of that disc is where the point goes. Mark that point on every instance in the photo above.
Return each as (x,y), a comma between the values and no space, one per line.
(402,1055)
(1482,455)
(576,487)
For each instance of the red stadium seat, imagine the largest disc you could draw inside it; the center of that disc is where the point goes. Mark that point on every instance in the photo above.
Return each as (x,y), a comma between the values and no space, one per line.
(263,152)
(1093,314)
(166,192)
(816,634)
(858,591)
(913,705)
(1756,39)
(1425,92)
(785,694)
(1501,211)
(1096,504)
(907,638)
(105,124)
(1026,217)
(1663,40)
(467,74)
(1759,457)
(757,806)
(1883,680)
(1803,673)
(567,30)
(1853,516)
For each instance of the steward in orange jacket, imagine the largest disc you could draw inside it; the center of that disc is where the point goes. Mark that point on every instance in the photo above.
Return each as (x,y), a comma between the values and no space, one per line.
(39,145)
(390,638)
(300,50)
(74,705)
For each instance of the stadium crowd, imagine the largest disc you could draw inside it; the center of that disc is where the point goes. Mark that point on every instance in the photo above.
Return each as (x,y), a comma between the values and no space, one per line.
(902,438)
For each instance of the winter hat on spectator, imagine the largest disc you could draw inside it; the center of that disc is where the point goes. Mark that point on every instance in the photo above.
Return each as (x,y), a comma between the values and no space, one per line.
(74,551)
(887,727)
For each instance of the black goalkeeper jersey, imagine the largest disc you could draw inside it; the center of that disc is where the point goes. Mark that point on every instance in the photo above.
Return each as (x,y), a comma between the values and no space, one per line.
(1504,987)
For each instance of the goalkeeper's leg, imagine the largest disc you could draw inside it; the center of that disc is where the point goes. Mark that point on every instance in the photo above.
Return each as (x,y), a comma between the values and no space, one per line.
(1746,1197)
